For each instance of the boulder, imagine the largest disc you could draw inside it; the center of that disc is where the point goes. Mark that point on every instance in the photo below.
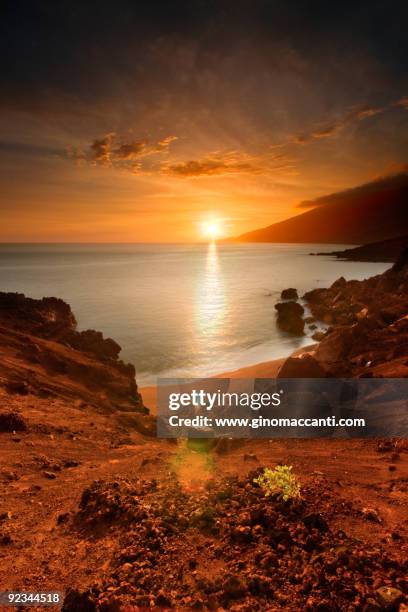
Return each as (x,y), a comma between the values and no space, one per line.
(389,597)
(17,387)
(337,345)
(12,421)
(79,601)
(49,317)
(92,341)
(402,262)
(143,423)
(339,283)
(304,366)
(289,294)
(319,335)
(290,317)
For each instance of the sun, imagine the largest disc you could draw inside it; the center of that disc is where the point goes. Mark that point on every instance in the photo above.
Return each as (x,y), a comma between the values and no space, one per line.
(211,229)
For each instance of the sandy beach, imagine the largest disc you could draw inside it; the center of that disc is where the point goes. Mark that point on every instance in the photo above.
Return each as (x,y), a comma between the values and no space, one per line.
(264,369)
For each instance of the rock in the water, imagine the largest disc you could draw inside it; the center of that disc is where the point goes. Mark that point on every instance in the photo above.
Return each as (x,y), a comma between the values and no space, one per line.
(304,366)
(289,294)
(290,317)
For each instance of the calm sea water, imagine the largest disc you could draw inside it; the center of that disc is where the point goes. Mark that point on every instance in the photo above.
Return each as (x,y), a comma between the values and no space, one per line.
(178,310)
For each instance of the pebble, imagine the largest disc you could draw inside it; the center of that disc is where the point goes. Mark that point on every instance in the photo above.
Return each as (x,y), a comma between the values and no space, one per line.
(371,515)
(389,597)
(49,475)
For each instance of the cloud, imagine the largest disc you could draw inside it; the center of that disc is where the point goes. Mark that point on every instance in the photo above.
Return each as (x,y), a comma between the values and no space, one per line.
(227,163)
(101,149)
(364,112)
(403,102)
(131,150)
(113,151)
(325,132)
(353,116)
(212,165)
(164,144)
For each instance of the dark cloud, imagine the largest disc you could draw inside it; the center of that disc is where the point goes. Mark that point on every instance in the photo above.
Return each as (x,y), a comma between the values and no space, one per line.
(67,50)
(112,151)
(101,150)
(142,148)
(131,150)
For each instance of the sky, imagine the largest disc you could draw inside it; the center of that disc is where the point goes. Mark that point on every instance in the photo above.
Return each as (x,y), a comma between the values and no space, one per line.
(146,121)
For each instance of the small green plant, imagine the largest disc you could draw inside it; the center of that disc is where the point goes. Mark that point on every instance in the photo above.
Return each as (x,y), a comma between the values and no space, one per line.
(280,482)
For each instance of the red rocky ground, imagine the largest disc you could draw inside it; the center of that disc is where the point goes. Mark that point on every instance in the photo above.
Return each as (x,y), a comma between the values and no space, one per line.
(94,506)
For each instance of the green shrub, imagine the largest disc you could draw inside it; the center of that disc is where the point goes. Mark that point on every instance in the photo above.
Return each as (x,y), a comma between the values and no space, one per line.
(279,482)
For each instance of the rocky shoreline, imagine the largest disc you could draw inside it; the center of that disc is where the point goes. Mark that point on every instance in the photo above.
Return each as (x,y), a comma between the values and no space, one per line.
(367,333)
(384,251)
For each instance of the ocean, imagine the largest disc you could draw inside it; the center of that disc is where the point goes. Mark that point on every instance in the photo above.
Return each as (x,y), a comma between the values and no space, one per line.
(178,310)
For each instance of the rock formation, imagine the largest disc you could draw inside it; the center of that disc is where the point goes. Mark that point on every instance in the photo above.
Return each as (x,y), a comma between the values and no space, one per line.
(44,354)
(386,250)
(289,294)
(290,317)
(368,333)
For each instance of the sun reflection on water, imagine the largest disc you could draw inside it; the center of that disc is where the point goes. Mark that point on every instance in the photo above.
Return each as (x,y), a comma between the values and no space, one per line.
(210,301)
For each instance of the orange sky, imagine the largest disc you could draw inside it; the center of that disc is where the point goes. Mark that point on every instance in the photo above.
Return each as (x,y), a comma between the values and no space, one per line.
(85,201)
(135,126)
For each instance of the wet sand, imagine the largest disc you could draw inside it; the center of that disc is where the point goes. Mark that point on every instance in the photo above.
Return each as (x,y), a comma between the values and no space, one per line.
(264,369)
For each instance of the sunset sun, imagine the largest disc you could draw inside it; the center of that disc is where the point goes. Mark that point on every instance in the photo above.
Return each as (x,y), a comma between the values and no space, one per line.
(211,229)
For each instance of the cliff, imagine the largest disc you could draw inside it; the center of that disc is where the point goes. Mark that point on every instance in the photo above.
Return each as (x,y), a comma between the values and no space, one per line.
(43,354)
(368,213)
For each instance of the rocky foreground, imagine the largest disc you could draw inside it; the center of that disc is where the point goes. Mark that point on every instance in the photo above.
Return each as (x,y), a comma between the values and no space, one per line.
(228,547)
(92,505)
